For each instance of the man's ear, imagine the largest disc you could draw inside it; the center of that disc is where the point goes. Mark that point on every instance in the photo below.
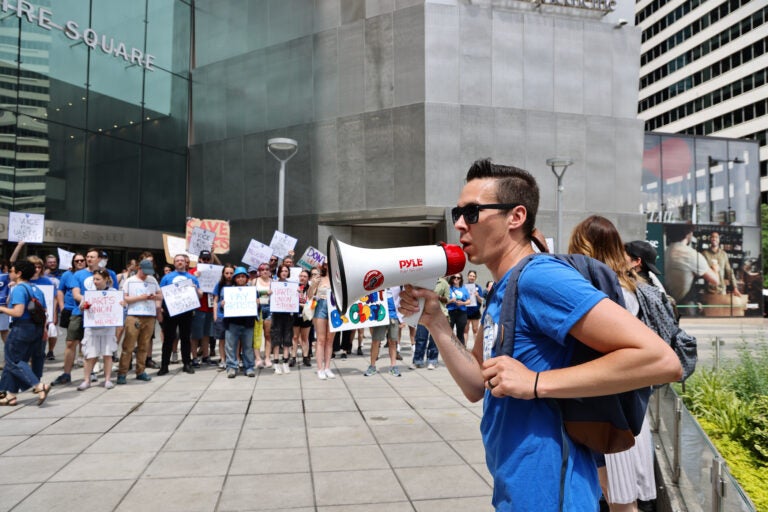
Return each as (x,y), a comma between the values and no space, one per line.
(516,217)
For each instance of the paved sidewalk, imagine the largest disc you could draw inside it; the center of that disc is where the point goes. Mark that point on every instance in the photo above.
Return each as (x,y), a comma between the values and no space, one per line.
(204,442)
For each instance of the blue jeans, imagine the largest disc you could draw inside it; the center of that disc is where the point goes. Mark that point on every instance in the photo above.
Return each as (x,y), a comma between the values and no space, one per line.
(24,341)
(424,341)
(244,335)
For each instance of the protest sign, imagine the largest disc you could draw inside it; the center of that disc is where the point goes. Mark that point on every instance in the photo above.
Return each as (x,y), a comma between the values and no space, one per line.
(240,301)
(295,273)
(50,304)
(201,240)
(180,297)
(312,258)
(472,289)
(368,311)
(65,259)
(220,227)
(142,307)
(174,245)
(256,254)
(104,308)
(26,227)
(208,276)
(282,244)
(284,298)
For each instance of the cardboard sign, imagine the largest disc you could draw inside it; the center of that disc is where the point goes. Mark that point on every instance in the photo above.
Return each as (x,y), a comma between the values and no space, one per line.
(295,274)
(221,243)
(180,297)
(26,227)
(285,297)
(282,244)
(200,240)
(142,307)
(368,311)
(240,301)
(472,289)
(50,304)
(65,259)
(174,245)
(208,276)
(256,254)
(312,258)
(104,308)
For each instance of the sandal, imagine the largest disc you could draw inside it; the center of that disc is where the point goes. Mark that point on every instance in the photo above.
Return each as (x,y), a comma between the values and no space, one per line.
(7,400)
(42,391)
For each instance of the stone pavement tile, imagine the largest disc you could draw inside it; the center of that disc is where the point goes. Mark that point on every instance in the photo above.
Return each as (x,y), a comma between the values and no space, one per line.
(458,431)
(104,466)
(330,405)
(183,382)
(267,492)
(379,390)
(406,433)
(270,420)
(314,393)
(381,403)
(28,426)
(169,464)
(133,423)
(362,486)
(397,506)
(8,442)
(392,417)
(53,444)
(347,458)
(270,461)
(66,496)
(482,470)
(129,442)
(340,436)
(443,482)
(269,382)
(51,409)
(163,408)
(268,437)
(187,395)
(238,385)
(275,406)
(334,419)
(412,455)
(472,450)
(226,395)
(117,395)
(212,422)
(266,393)
(207,440)
(179,495)
(479,504)
(103,409)
(32,468)
(220,407)
(82,425)
(426,390)
(431,402)
(12,494)
(448,415)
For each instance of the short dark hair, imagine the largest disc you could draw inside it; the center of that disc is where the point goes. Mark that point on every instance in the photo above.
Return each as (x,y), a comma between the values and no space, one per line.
(677,232)
(25,268)
(515,185)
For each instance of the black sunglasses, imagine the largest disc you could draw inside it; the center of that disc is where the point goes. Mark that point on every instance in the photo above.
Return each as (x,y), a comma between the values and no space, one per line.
(471,212)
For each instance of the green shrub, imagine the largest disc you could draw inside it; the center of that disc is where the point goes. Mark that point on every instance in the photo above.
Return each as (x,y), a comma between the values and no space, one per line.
(756,436)
(709,397)
(749,376)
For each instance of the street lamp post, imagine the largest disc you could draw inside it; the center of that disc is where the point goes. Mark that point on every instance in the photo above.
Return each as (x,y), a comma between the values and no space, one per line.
(281,146)
(563,163)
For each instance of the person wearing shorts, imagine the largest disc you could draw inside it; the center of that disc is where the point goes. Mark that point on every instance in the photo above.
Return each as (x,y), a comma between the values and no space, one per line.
(390,332)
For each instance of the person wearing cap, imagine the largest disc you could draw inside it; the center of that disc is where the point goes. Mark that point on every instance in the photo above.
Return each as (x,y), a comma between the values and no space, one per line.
(202,322)
(642,257)
(239,332)
(142,295)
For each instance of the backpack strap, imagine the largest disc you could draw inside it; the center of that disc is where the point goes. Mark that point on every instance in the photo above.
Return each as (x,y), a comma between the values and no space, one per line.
(505,337)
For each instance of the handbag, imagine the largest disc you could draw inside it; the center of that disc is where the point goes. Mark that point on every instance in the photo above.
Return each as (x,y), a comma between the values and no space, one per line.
(309,310)
(258,329)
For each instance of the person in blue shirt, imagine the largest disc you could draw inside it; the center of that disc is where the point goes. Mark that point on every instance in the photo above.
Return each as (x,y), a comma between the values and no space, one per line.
(67,304)
(5,286)
(25,339)
(522,434)
(458,300)
(182,321)
(476,301)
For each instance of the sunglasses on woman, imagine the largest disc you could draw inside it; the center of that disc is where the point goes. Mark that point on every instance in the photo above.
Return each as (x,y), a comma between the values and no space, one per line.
(471,212)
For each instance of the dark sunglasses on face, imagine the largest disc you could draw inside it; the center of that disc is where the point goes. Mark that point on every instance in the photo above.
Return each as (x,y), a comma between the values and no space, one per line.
(79,261)
(471,212)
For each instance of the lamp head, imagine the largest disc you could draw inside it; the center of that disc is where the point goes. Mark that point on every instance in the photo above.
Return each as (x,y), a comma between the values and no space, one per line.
(559,162)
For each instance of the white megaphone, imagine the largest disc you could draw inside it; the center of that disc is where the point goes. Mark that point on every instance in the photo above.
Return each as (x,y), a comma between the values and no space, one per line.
(356,271)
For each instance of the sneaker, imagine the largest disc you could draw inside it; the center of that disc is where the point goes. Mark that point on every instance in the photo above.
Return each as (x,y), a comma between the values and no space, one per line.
(196,363)
(142,376)
(286,368)
(399,357)
(431,366)
(94,377)
(250,373)
(416,366)
(329,373)
(50,356)
(79,362)
(174,357)
(121,379)
(292,362)
(108,384)
(394,372)
(162,371)
(343,355)
(98,367)
(83,386)
(208,362)
(306,361)
(359,351)
(321,375)
(240,364)
(370,371)
(62,379)
(231,373)
(151,364)
(222,365)
(278,368)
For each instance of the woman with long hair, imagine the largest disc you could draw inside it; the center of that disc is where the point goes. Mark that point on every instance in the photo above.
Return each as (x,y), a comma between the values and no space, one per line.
(263,284)
(219,333)
(320,290)
(282,329)
(626,476)
(300,326)
(458,300)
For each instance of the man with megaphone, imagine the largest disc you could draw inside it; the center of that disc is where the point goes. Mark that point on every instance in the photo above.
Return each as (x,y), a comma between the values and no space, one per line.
(522,434)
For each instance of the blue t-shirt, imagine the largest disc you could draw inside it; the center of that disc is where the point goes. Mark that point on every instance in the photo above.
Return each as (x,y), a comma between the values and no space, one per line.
(523,438)
(83,279)
(21,294)
(458,293)
(66,283)
(5,281)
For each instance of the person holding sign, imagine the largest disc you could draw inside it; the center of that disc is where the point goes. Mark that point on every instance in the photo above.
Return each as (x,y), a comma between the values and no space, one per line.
(182,321)
(300,326)
(239,329)
(67,305)
(143,298)
(219,332)
(98,341)
(282,328)
(320,289)
(263,284)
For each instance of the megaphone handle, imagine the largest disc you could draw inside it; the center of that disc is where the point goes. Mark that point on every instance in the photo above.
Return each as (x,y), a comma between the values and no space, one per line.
(413,320)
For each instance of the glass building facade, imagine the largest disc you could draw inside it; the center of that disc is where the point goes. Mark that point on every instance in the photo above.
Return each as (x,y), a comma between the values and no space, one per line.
(94,111)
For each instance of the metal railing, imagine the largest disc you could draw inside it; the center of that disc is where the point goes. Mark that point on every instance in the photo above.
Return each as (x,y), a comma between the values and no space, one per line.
(698,472)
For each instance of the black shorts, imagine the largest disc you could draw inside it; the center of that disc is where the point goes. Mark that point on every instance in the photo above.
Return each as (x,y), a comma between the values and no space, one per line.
(298,321)
(473,315)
